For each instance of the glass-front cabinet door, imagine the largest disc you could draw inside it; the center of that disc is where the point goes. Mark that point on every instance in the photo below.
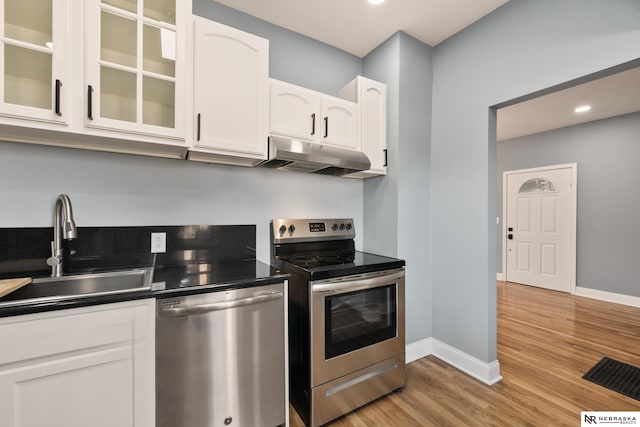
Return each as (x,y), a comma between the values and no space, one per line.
(134,66)
(33,59)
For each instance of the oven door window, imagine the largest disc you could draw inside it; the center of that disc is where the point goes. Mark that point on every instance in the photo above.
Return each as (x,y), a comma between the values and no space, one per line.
(359,319)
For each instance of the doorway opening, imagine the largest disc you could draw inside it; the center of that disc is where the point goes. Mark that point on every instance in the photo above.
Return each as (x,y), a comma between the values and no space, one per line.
(539,207)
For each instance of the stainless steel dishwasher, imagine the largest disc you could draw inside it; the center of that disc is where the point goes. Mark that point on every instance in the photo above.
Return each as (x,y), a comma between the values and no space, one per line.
(220,359)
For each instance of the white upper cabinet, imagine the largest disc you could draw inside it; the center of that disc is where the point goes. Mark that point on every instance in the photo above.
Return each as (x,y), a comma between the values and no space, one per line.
(33,55)
(340,123)
(231,71)
(135,66)
(371,97)
(297,112)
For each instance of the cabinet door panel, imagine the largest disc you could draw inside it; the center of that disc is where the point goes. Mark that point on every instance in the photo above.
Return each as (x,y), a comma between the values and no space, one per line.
(295,112)
(135,66)
(33,60)
(341,124)
(92,389)
(230,81)
(373,104)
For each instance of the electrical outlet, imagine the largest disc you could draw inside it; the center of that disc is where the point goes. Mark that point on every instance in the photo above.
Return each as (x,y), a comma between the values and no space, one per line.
(158,243)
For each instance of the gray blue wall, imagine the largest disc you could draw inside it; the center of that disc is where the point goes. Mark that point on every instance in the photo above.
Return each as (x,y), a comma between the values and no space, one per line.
(120,190)
(522,47)
(607,154)
(115,189)
(396,207)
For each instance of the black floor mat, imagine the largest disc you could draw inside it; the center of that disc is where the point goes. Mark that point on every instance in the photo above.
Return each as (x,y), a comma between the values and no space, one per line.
(617,376)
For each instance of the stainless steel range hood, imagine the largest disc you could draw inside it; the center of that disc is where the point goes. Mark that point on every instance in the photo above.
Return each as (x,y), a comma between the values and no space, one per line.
(302,156)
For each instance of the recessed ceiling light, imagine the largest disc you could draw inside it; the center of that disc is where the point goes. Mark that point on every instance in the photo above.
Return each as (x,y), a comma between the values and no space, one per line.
(582,109)
(376,1)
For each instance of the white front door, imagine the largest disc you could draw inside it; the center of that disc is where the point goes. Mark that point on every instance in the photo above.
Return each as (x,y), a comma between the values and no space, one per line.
(540,227)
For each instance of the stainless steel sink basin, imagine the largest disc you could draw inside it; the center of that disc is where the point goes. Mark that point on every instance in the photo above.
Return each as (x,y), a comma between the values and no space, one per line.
(81,285)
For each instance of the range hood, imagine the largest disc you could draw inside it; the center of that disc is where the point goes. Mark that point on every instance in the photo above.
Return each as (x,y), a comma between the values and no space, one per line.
(302,156)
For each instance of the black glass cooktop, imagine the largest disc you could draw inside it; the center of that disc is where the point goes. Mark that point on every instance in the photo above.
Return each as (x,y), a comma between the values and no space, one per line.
(325,265)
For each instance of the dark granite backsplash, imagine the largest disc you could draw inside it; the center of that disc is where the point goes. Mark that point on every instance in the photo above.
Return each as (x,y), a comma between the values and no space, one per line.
(24,251)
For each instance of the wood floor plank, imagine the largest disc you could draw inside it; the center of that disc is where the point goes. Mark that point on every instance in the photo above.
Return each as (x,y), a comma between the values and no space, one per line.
(546,341)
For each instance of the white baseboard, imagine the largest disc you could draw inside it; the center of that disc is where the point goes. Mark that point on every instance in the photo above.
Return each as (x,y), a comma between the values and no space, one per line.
(500,277)
(608,296)
(418,350)
(488,373)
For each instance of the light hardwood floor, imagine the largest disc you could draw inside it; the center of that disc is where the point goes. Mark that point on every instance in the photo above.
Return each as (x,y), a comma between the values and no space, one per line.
(546,341)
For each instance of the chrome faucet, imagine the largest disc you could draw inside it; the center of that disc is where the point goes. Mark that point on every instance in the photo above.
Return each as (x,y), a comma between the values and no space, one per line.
(67,230)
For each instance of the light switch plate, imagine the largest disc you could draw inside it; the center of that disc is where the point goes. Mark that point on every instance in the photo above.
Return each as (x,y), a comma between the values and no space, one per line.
(158,243)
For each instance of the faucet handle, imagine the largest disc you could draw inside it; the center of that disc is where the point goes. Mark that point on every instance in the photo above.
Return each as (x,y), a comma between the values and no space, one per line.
(53,261)
(55,258)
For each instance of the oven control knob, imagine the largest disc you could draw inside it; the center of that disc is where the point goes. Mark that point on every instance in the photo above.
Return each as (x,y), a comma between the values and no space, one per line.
(292,228)
(282,229)
(349,226)
(341,226)
(334,227)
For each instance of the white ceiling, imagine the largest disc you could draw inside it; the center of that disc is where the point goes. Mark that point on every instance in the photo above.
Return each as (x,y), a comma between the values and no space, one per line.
(609,96)
(358,27)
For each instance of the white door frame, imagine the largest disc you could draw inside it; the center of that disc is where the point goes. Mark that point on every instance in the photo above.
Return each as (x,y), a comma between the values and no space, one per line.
(574,214)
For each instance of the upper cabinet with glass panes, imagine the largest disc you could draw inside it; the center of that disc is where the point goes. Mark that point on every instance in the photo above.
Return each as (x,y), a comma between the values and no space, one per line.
(134,68)
(33,59)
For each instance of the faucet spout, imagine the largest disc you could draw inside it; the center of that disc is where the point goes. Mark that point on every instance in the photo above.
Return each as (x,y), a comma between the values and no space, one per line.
(61,229)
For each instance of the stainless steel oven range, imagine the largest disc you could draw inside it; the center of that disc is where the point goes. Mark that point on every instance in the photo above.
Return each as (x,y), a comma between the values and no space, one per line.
(346,318)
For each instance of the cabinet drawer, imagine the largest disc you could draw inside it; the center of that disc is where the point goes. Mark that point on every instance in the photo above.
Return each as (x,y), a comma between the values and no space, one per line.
(45,334)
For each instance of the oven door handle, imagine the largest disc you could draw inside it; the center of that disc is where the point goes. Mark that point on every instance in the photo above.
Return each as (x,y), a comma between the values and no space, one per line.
(217,306)
(336,286)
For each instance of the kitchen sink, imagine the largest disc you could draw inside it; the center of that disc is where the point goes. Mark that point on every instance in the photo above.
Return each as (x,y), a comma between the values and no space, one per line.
(44,289)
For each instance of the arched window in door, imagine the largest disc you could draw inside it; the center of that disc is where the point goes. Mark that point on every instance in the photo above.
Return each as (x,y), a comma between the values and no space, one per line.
(537,185)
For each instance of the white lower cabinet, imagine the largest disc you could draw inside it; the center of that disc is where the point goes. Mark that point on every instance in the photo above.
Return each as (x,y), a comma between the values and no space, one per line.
(91,366)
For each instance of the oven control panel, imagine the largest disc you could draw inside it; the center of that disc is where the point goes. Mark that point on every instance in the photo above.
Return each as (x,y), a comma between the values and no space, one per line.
(317,227)
(310,230)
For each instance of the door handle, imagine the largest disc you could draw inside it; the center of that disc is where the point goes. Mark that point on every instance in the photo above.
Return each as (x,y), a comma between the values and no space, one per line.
(198,129)
(217,306)
(58,111)
(90,102)
(510,236)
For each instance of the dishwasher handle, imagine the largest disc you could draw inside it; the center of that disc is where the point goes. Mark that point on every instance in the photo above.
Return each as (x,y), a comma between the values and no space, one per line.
(217,306)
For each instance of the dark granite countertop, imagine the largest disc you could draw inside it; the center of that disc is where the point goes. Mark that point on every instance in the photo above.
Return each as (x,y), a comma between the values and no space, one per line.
(169,282)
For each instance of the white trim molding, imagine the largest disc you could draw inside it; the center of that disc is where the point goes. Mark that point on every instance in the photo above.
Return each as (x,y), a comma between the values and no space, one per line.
(500,277)
(608,296)
(488,373)
(418,350)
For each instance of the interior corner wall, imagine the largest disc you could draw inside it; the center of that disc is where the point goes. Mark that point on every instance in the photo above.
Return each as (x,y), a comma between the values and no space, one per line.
(380,194)
(416,78)
(520,48)
(396,207)
(607,153)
